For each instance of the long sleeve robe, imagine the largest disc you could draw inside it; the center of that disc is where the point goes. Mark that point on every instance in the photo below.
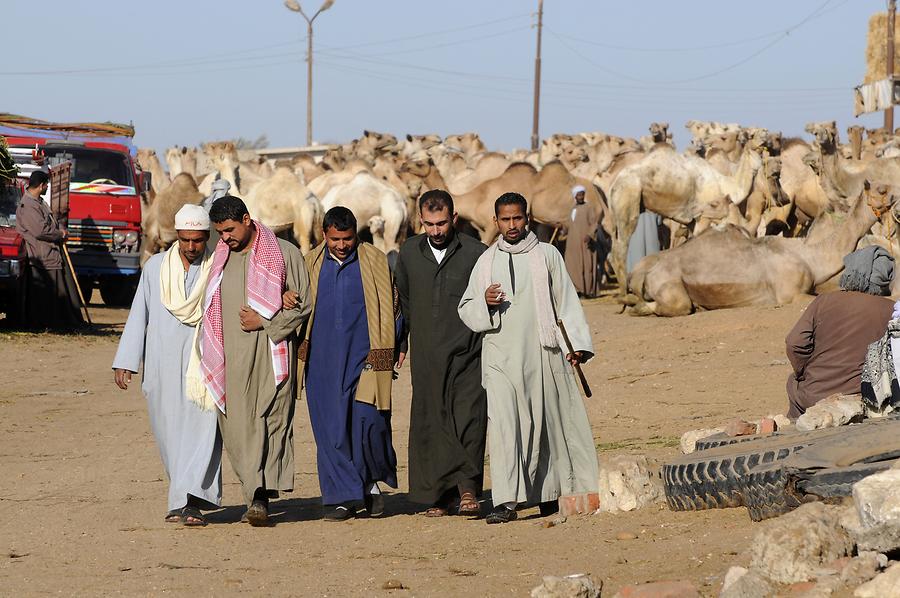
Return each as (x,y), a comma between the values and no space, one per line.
(645,239)
(539,436)
(353,439)
(827,346)
(257,423)
(448,416)
(187,436)
(581,254)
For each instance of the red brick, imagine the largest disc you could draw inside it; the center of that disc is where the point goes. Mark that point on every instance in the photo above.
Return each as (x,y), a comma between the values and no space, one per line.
(801,587)
(660,589)
(579,504)
(766,426)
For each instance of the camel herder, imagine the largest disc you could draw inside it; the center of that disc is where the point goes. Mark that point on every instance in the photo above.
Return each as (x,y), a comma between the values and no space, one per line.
(448,415)
(349,351)
(540,440)
(161,332)
(581,245)
(51,299)
(248,346)
(827,347)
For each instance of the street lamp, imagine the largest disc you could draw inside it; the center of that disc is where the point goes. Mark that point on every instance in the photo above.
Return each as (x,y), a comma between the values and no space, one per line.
(295,6)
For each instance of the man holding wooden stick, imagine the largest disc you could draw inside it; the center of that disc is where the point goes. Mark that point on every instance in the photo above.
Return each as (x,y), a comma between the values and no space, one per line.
(51,296)
(539,437)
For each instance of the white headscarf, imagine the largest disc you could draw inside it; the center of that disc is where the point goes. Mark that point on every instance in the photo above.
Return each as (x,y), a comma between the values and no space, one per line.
(577,189)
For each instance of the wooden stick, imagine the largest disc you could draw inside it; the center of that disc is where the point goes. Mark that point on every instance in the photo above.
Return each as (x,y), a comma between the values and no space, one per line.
(87,314)
(576,365)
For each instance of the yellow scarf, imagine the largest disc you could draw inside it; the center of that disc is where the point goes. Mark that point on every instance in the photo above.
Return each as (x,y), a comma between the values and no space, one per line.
(188,310)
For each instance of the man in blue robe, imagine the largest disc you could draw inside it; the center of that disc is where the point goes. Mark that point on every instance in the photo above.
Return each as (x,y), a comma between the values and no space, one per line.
(349,350)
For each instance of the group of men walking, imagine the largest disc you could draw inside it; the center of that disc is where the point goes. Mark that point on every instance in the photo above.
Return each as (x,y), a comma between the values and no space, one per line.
(226,336)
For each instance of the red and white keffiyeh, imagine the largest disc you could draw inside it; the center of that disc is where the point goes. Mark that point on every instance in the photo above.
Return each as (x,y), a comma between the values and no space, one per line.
(266,274)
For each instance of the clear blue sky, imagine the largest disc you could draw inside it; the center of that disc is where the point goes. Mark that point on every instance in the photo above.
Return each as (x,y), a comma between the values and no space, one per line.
(197,70)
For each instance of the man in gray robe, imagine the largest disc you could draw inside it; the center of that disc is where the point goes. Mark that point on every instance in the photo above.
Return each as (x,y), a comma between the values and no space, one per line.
(539,437)
(187,434)
(256,402)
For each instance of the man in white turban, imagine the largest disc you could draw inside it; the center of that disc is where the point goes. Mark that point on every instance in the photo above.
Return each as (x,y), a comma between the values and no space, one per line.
(581,245)
(161,332)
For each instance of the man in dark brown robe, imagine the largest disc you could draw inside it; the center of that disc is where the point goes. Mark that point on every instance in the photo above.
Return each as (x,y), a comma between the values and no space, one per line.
(581,253)
(51,300)
(827,346)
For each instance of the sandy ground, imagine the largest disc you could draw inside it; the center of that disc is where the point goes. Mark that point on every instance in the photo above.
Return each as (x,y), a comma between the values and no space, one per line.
(83,494)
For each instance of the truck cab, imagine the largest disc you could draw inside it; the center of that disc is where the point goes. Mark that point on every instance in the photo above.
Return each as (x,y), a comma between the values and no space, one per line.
(104,217)
(12,254)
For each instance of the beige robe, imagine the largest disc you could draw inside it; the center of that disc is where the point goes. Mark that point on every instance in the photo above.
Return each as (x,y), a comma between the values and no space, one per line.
(581,255)
(539,436)
(257,424)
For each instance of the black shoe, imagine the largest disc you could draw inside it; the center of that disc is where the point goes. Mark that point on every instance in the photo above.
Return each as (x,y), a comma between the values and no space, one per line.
(549,508)
(374,504)
(501,514)
(339,512)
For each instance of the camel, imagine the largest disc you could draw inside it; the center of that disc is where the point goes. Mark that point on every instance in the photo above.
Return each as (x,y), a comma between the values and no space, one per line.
(376,205)
(727,268)
(283,202)
(842,177)
(416,145)
(305,165)
(469,144)
(224,158)
(659,133)
(149,162)
(372,144)
(182,159)
(158,220)
(682,188)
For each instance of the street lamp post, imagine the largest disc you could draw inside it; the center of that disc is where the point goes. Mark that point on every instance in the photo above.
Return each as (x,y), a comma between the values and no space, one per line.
(295,6)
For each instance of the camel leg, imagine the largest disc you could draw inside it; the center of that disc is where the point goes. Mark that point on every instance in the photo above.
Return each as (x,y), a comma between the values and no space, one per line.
(672,299)
(625,203)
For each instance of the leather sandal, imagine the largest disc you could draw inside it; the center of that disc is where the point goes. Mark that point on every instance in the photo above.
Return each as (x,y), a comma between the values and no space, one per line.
(468,505)
(435,511)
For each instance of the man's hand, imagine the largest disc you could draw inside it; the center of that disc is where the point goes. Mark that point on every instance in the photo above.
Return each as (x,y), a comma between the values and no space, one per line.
(290,299)
(65,233)
(576,357)
(250,320)
(123,378)
(493,296)
(400,359)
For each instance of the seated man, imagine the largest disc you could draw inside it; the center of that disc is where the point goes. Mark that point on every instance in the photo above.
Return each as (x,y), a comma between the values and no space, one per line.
(827,346)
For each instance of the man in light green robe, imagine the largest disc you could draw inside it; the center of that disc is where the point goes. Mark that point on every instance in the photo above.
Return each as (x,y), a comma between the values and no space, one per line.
(257,423)
(539,437)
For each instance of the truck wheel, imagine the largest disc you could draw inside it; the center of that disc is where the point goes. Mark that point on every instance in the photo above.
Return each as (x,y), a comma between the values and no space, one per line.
(714,478)
(118,291)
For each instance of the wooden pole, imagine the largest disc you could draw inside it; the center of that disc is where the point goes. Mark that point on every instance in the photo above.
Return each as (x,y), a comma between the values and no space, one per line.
(889,111)
(87,314)
(537,79)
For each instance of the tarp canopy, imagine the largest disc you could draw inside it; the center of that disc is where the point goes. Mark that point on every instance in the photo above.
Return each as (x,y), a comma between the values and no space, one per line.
(13,125)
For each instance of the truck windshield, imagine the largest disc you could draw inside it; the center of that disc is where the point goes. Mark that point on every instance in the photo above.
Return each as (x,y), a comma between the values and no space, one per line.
(9,199)
(95,165)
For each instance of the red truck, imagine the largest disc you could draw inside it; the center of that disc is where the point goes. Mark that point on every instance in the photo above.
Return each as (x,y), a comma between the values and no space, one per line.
(12,254)
(104,218)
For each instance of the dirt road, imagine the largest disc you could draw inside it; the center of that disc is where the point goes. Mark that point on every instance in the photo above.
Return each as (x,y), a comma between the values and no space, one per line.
(82,491)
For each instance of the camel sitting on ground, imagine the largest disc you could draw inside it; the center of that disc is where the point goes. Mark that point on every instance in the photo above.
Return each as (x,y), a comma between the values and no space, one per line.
(728,268)
(681,188)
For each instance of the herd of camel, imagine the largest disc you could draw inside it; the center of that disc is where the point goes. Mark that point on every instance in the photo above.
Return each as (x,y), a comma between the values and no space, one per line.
(755,218)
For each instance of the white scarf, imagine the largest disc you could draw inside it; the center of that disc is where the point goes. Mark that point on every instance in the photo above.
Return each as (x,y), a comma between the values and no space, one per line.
(189,311)
(540,282)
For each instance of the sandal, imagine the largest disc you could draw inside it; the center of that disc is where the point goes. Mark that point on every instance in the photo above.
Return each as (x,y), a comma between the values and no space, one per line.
(468,505)
(501,514)
(173,516)
(435,512)
(193,517)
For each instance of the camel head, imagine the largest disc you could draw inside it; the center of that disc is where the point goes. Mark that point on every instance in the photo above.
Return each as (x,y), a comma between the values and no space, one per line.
(813,159)
(659,132)
(221,154)
(771,170)
(378,141)
(376,225)
(825,133)
(469,143)
(145,156)
(424,142)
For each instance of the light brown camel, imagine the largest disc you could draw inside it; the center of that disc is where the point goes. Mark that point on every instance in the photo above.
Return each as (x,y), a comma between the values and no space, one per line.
(158,220)
(682,188)
(149,162)
(283,202)
(724,269)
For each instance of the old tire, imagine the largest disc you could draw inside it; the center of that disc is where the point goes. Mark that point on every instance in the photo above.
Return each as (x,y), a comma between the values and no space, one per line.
(118,291)
(722,439)
(714,478)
